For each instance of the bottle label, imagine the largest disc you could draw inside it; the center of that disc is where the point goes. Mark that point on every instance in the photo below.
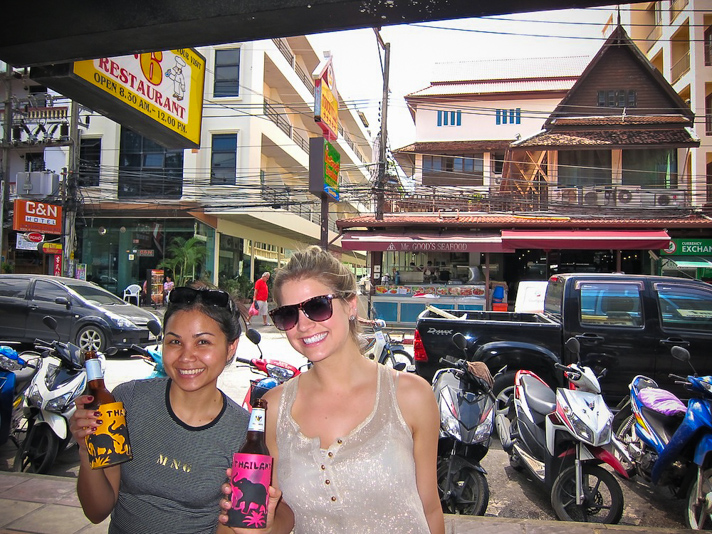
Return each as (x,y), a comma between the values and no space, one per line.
(257,420)
(110,444)
(93,368)
(251,478)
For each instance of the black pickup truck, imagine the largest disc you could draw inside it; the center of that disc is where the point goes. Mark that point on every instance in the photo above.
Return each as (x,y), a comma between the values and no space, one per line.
(626,324)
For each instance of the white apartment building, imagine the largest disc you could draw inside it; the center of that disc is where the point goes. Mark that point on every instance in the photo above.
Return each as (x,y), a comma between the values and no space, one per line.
(676,36)
(470,113)
(244,192)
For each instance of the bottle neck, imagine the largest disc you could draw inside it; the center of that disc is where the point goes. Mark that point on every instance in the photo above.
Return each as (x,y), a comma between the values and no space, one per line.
(257,421)
(94,372)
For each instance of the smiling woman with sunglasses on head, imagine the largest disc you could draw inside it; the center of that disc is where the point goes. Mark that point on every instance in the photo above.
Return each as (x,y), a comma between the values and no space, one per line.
(349,437)
(183,429)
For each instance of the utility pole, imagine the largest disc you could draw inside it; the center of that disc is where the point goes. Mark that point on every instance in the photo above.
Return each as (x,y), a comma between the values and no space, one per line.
(381,181)
(6,143)
(69,193)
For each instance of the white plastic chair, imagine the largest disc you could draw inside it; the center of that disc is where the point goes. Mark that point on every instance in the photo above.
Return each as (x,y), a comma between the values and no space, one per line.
(133,292)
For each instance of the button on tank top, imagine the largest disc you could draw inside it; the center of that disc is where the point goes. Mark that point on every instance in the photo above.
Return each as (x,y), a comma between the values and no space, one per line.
(364,482)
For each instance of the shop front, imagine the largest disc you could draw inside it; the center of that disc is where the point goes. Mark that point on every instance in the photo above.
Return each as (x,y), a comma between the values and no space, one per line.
(688,258)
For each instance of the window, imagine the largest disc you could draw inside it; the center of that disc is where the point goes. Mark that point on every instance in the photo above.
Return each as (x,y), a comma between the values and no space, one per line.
(89,161)
(223,163)
(13,287)
(620,98)
(685,307)
(611,304)
(650,168)
(498,162)
(227,72)
(508,116)
(708,46)
(148,170)
(47,291)
(584,168)
(450,118)
(456,170)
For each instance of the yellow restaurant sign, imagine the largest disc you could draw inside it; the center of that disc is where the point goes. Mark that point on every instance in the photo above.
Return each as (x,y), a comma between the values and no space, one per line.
(166,87)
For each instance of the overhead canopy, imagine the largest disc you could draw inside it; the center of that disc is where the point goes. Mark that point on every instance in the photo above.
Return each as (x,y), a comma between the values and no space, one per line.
(690,262)
(585,239)
(424,242)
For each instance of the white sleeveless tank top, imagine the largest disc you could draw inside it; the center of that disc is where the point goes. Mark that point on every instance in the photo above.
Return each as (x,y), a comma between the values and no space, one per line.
(364,482)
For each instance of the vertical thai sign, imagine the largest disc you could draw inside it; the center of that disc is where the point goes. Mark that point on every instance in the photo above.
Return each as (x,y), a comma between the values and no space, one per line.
(324,167)
(326,99)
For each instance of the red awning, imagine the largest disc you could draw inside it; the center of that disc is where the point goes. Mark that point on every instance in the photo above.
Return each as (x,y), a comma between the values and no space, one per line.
(586,239)
(424,242)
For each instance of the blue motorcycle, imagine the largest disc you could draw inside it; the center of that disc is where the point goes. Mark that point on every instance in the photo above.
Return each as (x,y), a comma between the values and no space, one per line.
(15,375)
(667,442)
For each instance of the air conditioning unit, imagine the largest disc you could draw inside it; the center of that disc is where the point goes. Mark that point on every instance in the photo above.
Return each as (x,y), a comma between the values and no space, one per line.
(35,184)
(627,196)
(597,196)
(663,198)
(565,196)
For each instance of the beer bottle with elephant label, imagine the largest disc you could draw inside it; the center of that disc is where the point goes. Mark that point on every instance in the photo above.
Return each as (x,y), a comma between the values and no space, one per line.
(109,444)
(251,475)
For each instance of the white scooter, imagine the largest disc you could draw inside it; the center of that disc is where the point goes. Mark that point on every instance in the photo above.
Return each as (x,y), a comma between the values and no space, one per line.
(41,429)
(560,438)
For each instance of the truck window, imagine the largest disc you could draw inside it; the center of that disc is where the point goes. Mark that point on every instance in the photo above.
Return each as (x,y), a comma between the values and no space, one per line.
(611,304)
(688,308)
(554,296)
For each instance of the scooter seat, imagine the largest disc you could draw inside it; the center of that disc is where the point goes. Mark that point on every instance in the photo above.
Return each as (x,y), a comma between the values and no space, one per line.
(540,398)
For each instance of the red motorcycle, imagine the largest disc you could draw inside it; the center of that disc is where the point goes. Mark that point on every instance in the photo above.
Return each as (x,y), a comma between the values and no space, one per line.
(274,372)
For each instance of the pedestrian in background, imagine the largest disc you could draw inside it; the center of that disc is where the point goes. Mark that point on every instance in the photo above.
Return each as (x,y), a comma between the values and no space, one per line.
(168,286)
(260,297)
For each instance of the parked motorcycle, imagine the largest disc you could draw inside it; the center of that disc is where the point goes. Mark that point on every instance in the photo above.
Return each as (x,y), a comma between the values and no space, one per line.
(380,347)
(465,400)
(560,438)
(42,429)
(274,372)
(15,374)
(668,443)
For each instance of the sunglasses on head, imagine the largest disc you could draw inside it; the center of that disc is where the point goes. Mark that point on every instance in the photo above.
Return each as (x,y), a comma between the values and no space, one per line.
(317,309)
(209,297)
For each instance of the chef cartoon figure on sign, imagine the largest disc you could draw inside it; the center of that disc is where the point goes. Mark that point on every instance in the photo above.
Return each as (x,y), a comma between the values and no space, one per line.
(176,74)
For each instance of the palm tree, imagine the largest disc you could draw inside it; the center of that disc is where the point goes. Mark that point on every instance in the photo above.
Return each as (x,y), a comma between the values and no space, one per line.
(184,256)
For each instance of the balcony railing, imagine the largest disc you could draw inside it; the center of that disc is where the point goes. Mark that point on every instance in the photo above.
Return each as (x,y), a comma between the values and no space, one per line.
(676,7)
(680,67)
(283,124)
(708,122)
(282,46)
(653,36)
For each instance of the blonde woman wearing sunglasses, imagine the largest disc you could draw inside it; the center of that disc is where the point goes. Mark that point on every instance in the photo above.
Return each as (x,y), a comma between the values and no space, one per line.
(354,442)
(183,429)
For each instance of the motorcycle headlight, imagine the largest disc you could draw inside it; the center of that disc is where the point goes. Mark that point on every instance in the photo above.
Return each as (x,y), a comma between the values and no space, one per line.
(448,417)
(581,430)
(484,429)
(280,373)
(34,397)
(121,322)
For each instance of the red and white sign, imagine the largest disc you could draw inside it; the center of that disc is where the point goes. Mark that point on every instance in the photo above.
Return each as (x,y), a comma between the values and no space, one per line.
(57,264)
(32,216)
(34,237)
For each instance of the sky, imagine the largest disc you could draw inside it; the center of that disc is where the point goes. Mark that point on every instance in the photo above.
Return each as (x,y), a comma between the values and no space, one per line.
(416,48)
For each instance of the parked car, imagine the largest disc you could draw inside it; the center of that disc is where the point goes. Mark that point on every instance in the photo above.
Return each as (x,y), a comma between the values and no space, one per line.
(86,314)
(625,324)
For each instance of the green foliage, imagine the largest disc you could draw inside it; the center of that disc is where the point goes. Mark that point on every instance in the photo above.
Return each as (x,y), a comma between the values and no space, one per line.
(241,288)
(7,267)
(184,255)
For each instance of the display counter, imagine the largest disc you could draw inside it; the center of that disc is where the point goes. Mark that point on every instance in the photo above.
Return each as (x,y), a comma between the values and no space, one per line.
(401,304)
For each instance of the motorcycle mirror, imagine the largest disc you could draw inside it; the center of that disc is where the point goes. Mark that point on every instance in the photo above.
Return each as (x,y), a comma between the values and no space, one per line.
(111,351)
(154,327)
(253,335)
(574,346)
(399,366)
(460,341)
(50,322)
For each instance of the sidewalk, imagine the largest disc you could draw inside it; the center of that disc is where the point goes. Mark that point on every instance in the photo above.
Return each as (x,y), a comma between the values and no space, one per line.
(42,504)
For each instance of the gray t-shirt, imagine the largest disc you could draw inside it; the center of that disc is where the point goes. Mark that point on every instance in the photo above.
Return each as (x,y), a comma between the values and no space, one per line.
(172,485)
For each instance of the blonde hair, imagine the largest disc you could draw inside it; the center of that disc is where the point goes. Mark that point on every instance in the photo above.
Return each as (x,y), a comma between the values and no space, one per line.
(314,262)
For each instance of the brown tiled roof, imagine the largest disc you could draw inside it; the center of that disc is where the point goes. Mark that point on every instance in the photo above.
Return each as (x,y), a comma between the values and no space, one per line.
(475,220)
(609,138)
(444,147)
(620,120)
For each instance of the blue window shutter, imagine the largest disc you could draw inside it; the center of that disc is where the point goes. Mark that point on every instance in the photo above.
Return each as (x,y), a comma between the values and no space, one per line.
(445,115)
(459,117)
(511,116)
(452,118)
(504,116)
(519,115)
(498,120)
(440,118)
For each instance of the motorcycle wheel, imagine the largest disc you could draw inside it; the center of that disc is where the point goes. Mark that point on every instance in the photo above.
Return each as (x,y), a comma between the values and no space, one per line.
(470,494)
(38,450)
(698,514)
(397,356)
(626,435)
(603,497)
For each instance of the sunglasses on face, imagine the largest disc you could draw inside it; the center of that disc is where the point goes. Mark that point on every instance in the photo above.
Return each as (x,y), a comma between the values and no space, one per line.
(209,297)
(317,309)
